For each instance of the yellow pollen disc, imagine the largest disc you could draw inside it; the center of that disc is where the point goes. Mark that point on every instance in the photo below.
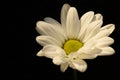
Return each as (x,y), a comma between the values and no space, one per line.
(72,46)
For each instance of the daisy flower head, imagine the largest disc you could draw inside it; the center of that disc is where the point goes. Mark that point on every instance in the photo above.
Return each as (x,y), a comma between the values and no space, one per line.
(73,40)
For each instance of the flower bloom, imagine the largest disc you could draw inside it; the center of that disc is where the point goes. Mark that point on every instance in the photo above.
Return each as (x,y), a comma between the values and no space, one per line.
(68,44)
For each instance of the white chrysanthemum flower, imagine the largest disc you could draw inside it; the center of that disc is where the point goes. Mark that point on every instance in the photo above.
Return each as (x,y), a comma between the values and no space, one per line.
(74,40)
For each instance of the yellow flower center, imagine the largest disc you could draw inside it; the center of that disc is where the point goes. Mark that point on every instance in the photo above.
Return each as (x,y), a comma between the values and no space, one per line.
(72,46)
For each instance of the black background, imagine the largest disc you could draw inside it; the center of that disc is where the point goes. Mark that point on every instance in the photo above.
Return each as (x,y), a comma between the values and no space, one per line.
(23,62)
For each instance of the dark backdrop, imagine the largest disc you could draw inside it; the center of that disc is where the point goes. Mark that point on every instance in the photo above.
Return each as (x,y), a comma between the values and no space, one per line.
(22,60)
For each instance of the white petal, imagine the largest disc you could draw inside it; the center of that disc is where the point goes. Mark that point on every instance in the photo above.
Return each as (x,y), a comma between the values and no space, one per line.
(109,27)
(64,12)
(50,30)
(52,51)
(87,56)
(80,65)
(40,53)
(107,51)
(105,41)
(87,18)
(47,40)
(72,23)
(89,53)
(58,60)
(105,31)
(92,29)
(56,24)
(63,67)
(52,21)
(89,44)
(98,17)
(94,51)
